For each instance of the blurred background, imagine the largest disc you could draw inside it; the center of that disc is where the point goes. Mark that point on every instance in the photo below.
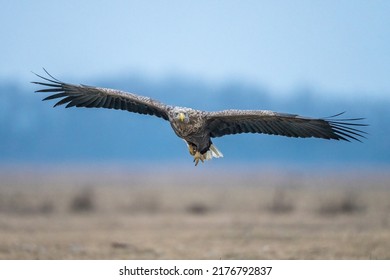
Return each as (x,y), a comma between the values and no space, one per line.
(306,57)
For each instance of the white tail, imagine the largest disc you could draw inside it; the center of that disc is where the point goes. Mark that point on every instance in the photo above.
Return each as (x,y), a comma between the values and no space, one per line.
(213,152)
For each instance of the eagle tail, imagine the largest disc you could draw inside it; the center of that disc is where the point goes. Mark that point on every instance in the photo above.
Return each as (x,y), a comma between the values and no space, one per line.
(213,152)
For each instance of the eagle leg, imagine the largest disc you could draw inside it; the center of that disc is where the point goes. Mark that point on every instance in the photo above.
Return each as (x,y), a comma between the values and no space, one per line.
(198,156)
(195,153)
(191,149)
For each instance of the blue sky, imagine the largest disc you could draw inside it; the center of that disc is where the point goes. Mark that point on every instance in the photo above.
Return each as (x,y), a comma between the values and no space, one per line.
(337,46)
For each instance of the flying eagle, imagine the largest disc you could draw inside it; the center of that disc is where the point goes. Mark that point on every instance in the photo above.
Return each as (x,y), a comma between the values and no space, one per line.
(197,127)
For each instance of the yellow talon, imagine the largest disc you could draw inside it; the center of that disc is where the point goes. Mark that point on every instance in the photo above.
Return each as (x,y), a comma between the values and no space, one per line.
(198,156)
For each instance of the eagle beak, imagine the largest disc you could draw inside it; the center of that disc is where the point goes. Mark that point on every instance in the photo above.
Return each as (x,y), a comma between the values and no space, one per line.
(182,117)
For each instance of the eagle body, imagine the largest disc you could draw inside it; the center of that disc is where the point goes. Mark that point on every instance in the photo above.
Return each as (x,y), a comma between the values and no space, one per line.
(192,129)
(193,123)
(197,127)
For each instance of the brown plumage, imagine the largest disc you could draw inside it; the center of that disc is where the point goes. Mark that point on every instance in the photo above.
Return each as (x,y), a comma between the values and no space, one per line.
(197,127)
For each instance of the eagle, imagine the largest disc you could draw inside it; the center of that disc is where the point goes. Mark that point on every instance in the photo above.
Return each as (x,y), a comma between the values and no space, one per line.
(197,127)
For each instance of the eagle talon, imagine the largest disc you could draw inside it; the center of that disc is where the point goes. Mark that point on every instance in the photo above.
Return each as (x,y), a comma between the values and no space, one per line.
(198,156)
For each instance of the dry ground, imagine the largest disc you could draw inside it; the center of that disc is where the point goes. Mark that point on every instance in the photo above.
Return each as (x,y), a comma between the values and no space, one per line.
(152,214)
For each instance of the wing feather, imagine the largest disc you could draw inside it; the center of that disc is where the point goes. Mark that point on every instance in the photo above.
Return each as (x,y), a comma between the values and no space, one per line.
(54,96)
(63,101)
(95,97)
(246,121)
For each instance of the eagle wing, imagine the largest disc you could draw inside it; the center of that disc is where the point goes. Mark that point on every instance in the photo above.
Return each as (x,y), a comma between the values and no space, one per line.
(246,121)
(95,97)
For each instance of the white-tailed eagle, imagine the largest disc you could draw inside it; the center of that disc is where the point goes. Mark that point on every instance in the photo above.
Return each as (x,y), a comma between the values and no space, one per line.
(197,127)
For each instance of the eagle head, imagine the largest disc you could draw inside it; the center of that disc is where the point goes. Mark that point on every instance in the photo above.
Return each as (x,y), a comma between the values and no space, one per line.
(180,115)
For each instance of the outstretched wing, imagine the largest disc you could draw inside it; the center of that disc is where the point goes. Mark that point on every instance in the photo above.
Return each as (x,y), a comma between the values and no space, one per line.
(94,97)
(268,122)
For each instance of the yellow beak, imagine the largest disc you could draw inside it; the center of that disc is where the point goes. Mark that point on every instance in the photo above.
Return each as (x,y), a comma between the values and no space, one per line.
(182,117)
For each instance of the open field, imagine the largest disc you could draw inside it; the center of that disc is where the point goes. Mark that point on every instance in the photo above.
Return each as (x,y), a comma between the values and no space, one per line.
(147,214)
